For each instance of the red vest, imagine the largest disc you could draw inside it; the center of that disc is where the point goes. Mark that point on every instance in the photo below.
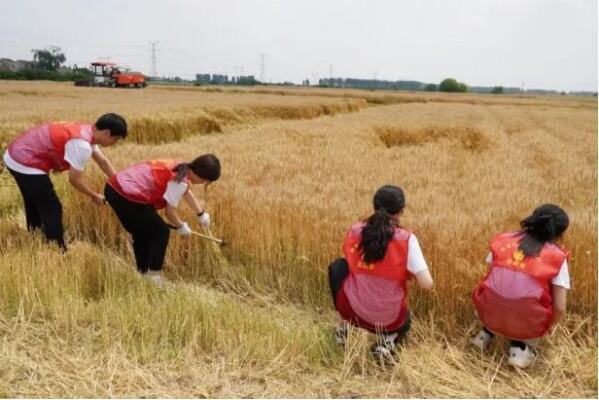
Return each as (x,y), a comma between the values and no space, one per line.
(145,182)
(43,146)
(377,292)
(514,299)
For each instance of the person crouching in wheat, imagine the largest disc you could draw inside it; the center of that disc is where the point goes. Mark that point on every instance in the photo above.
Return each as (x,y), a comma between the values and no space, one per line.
(135,194)
(524,292)
(369,285)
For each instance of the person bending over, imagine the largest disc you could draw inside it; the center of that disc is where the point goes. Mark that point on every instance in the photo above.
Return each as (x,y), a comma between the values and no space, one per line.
(57,147)
(136,193)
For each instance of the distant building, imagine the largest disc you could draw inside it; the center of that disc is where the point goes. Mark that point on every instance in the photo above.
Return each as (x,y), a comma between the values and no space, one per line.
(220,79)
(6,64)
(203,78)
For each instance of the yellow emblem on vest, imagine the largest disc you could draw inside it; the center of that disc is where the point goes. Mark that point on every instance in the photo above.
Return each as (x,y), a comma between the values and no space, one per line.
(518,259)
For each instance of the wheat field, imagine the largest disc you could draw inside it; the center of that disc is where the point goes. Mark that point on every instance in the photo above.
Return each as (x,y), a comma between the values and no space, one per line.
(299,166)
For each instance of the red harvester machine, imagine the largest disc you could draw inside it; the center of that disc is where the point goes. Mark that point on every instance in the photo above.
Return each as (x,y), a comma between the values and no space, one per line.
(109,74)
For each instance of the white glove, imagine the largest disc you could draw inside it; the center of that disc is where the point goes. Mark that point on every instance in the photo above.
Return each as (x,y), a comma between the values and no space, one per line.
(204,219)
(184,230)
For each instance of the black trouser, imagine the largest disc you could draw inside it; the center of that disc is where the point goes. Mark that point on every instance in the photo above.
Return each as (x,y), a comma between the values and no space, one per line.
(513,343)
(42,207)
(338,272)
(150,232)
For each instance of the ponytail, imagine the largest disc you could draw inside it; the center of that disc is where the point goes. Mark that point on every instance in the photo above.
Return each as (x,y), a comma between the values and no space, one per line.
(376,236)
(182,170)
(380,227)
(545,224)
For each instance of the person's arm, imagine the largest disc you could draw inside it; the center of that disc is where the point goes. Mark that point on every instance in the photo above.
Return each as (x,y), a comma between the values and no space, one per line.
(417,265)
(193,202)
(77,181)
(559,288)
(104,164)
(424,279)
(77,153)
(181,227)
(559,303)
(203,216)
(172,216)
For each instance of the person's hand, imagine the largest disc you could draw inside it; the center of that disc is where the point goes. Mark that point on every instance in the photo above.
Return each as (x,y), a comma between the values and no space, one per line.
(204,219)
(184,230)
(98,200)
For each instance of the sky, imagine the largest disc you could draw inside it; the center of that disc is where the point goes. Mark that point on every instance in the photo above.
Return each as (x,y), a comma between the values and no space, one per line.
(546,44)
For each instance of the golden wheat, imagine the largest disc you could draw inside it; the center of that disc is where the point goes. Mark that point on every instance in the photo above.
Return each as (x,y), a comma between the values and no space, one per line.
(299,166)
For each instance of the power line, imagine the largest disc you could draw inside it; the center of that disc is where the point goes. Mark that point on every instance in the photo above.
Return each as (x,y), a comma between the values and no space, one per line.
(153,44)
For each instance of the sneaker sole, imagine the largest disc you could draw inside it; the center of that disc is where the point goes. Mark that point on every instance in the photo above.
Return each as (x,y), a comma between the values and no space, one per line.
(517,364)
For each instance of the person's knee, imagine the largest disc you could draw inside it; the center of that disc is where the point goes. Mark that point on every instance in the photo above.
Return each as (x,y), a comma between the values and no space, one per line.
(50,208)
(51,216)
(162,232)
(339,267)
(338,271)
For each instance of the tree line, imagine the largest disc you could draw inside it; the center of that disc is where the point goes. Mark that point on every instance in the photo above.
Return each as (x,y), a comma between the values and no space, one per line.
(47,64)
(447,85)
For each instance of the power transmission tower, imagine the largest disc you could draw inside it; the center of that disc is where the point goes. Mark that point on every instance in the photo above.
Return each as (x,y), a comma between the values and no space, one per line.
(153,44)
(331,70)
(263,68)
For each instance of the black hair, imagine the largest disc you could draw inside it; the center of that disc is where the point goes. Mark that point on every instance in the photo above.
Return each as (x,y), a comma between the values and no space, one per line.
(379,230)
(114,123)
(545,224)
(206,166)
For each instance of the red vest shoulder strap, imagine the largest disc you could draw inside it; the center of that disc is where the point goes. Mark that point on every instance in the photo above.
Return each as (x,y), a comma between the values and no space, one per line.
(61,133)
(402,234)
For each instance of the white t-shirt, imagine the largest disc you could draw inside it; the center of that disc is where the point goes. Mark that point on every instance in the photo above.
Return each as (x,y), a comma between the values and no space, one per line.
(561,279)
(174,192)
(20,168)
(77,152)
(416,262)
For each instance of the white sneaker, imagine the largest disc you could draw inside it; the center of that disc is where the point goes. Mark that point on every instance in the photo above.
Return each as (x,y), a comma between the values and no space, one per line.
(382,353)
(341,335)
(389,341)
(482,340)
(521,358)
(385,347)
(156,278)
